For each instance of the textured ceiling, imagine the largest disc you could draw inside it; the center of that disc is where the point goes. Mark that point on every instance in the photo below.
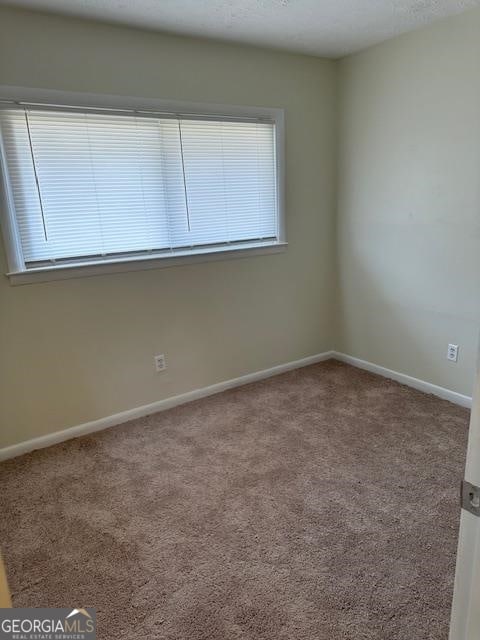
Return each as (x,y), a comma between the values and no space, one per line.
(321,27)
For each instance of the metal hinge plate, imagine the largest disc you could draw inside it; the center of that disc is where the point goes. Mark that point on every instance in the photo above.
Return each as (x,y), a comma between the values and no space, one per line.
(470,497)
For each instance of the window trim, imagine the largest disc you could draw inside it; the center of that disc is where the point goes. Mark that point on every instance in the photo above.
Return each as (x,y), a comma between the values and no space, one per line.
(18,274)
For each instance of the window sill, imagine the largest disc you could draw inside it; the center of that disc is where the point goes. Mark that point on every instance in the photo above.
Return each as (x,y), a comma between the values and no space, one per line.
(122,265)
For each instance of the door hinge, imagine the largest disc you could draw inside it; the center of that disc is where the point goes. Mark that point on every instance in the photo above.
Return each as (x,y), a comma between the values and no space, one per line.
(470,498)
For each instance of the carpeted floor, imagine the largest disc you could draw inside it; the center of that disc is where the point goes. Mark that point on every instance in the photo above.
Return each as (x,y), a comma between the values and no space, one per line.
(318,505)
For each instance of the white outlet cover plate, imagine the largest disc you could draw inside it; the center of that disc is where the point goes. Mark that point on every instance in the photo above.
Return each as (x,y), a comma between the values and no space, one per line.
(452,352)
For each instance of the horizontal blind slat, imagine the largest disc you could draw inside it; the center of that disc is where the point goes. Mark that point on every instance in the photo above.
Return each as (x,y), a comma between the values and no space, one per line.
(88,183)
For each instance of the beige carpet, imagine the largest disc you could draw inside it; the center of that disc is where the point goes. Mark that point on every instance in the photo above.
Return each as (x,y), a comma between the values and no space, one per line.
(318,505)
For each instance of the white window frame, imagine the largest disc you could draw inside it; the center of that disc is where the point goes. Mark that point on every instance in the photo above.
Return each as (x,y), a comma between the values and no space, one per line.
(19,274)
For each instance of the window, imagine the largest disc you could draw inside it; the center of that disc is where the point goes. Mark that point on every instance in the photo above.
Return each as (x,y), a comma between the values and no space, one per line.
(89,186)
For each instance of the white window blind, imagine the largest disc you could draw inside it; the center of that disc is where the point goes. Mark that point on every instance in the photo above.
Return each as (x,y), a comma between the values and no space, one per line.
(91,185)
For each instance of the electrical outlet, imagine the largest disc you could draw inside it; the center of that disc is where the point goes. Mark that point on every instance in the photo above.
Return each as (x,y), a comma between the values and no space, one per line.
(452,352)
(160,363)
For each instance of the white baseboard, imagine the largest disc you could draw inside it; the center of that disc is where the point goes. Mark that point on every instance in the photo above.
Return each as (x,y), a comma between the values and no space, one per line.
(403,378)
(161,405)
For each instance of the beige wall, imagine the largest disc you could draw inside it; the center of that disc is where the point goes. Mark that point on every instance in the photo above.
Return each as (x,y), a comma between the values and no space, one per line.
(404,282)
(409,202)
(76,350)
